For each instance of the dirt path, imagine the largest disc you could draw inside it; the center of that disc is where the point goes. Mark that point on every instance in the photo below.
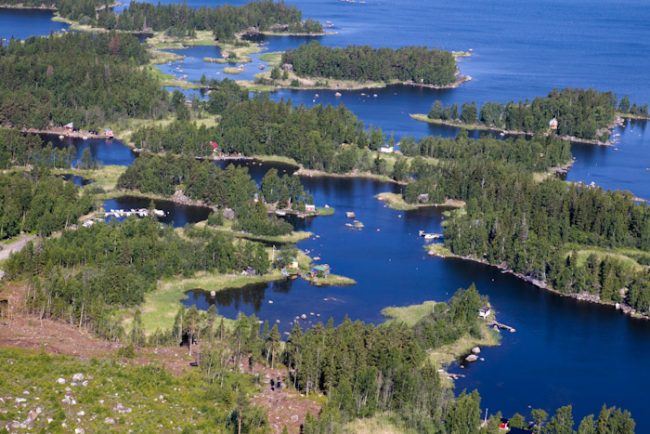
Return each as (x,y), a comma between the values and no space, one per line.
(284,406)
(15,246)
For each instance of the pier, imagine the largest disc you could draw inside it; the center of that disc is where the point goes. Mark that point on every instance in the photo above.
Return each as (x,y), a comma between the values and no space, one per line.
(140,212)
(501,326)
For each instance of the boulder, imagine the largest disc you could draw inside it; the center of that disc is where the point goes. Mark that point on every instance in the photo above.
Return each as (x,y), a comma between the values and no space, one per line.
(471,358)
(476,350)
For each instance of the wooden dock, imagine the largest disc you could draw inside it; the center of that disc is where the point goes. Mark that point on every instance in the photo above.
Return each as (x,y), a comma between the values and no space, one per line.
(502,326)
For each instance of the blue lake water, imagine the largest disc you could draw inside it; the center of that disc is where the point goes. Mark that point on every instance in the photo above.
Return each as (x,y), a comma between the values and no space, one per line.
(107,152)
(175,214)
(21,24)
(563,351)
(193,66)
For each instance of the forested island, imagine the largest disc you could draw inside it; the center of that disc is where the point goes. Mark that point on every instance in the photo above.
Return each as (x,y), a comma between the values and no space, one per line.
(181,20)
(113,288)
(362,64)
(576,239)
(223,21)
(81,78)
(582,115)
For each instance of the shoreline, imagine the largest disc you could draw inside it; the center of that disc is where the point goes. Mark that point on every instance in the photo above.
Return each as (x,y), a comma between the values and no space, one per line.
(420,117)
(633,117)
(313,173)
(22,7)
(445,253)
(396,201)
(178,199)
(271,33)
(51,8)
(346,85)
(81,134)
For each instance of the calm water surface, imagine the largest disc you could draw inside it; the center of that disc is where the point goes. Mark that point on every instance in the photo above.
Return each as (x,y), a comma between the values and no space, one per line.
(521,49)
(564,351)
(21,24)
(175,214)
(108,152)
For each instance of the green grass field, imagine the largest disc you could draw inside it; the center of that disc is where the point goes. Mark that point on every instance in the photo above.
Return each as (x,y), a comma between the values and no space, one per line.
(160,306)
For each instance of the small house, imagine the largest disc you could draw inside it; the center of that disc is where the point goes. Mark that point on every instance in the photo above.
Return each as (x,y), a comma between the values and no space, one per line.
(322,270)
(387,149)
(69,127)
(504,424)
(484,312)
(310,207)
(287,67)
(423,198)
(553,124)
(109,133)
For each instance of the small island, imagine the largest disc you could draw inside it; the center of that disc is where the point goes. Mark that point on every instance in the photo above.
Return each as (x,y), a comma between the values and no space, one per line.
(576,115)
(399,203)
(361,67)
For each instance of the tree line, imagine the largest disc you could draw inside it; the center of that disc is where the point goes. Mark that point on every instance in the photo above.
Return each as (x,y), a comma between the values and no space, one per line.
(38,202)
(203,181)
(19,149)
(626,107)
(88,79)
(366,369)
(73,9)
(535,154)
(85,275)
(582,113)
(418,65)
(224,21)
(539,228)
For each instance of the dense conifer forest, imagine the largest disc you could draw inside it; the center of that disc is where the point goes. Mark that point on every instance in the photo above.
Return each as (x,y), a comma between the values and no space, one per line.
(582,113)
(418,65)
(38,202)
(83,276)
(87,79)
(576,239)
(229,188)
(18,149)
(224,21)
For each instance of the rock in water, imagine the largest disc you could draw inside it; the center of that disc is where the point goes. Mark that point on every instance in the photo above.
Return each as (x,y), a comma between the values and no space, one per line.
(476,350)
(471,358)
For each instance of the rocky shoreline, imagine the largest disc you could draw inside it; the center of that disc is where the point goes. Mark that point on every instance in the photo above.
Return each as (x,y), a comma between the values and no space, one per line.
(481,127)
(586,297)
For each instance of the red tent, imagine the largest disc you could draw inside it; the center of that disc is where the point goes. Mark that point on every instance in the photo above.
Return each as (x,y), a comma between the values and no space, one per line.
(214,145)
